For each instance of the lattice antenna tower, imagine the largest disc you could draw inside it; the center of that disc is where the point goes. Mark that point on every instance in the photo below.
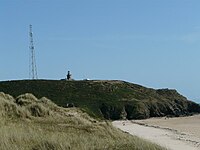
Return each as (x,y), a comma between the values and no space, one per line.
(32,61)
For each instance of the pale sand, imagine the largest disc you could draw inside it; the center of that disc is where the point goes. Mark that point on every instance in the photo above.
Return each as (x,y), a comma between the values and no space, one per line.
(181,133)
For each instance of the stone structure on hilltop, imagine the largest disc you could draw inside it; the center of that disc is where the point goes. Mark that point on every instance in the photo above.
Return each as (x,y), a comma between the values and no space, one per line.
(69,76)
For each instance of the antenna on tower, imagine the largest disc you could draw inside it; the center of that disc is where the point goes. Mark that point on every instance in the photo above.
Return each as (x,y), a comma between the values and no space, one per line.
(32,61)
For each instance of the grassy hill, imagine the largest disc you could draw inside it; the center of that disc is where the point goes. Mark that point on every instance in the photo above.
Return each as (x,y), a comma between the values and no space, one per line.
(28,123)
(108,99)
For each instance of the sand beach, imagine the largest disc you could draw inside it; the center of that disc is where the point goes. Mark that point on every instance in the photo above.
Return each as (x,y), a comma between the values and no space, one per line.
(182,133)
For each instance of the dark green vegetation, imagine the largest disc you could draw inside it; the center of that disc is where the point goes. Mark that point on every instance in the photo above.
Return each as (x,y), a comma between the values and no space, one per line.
(108,99)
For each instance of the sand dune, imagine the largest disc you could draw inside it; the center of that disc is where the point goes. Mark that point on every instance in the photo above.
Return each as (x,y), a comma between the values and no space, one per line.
(181,133)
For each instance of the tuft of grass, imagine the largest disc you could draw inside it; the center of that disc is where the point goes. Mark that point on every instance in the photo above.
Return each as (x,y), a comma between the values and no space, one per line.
(28,123)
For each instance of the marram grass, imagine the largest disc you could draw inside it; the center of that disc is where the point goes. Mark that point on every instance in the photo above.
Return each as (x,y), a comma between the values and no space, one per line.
(31,124)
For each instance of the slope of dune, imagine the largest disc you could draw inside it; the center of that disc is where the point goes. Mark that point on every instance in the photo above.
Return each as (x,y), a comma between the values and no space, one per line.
(28,123)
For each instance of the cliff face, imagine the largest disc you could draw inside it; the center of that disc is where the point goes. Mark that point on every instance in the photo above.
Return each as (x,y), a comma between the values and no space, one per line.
(109,99)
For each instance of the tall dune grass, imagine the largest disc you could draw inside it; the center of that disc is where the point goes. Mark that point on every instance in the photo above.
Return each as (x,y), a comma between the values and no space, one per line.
(28,123)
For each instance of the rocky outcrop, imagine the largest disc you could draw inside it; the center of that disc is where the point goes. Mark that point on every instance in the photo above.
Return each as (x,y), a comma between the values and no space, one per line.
(169,103)
(143,111)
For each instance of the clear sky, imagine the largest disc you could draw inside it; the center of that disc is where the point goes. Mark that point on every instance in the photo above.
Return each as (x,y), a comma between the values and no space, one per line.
(155,43)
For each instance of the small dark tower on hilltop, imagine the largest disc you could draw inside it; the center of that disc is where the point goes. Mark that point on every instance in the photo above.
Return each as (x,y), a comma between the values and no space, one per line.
(69,76)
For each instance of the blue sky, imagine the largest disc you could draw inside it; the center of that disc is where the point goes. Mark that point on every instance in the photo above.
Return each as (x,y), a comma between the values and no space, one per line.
(155,43)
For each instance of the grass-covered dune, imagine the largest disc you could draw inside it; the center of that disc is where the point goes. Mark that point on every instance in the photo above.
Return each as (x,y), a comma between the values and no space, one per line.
(28,123)
(108,99)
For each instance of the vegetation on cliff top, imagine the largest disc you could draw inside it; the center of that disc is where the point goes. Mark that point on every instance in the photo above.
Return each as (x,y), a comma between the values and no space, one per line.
(108,99)
(28,123)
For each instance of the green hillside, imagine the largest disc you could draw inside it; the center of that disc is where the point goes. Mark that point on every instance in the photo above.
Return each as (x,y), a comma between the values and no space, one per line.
(108,99)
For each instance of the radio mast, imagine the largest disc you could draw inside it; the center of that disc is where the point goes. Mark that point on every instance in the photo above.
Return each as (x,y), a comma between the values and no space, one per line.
(32,61)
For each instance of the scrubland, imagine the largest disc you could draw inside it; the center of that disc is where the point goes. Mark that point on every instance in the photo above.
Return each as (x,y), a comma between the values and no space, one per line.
(109,99)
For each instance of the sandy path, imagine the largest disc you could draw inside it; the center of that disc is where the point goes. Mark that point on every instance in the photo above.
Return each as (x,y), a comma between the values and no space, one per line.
(167,136)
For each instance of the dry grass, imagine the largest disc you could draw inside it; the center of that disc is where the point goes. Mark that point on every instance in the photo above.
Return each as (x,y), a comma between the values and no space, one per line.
(31,124)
